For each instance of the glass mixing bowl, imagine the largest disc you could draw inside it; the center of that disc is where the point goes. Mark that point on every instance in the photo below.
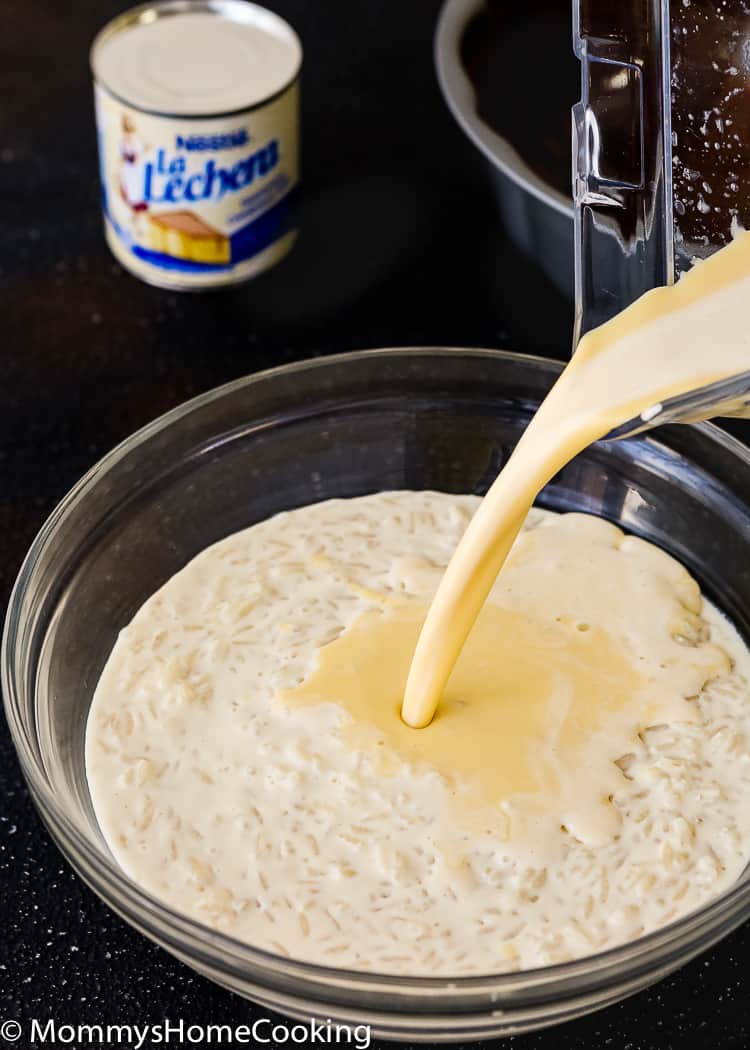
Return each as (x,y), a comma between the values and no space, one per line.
(342,426)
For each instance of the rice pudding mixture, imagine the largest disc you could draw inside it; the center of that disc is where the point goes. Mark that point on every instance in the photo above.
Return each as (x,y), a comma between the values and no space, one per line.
(585,777)
(613,803)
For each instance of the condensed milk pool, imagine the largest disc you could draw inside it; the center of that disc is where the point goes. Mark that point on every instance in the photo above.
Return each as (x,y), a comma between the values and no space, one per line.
(197,119)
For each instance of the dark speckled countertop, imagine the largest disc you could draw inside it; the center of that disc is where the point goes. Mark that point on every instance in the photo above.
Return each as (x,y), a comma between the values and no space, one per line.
(399,245)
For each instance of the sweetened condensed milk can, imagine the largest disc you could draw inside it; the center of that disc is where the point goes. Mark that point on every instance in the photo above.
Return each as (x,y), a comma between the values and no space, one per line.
(197,117)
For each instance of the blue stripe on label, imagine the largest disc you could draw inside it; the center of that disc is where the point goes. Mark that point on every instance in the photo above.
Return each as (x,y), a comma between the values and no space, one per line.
(172,262)
(267,228)
(246,242)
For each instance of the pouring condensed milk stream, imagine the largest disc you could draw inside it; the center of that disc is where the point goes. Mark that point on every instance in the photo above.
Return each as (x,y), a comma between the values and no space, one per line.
(680,352)
(669,343)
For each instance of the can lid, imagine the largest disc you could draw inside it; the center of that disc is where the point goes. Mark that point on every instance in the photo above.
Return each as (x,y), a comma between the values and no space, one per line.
(196,57)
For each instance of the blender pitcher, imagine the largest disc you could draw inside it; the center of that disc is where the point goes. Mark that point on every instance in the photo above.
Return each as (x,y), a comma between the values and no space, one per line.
(661,158)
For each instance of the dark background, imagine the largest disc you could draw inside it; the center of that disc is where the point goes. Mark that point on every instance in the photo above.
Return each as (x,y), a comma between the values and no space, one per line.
(399,245)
